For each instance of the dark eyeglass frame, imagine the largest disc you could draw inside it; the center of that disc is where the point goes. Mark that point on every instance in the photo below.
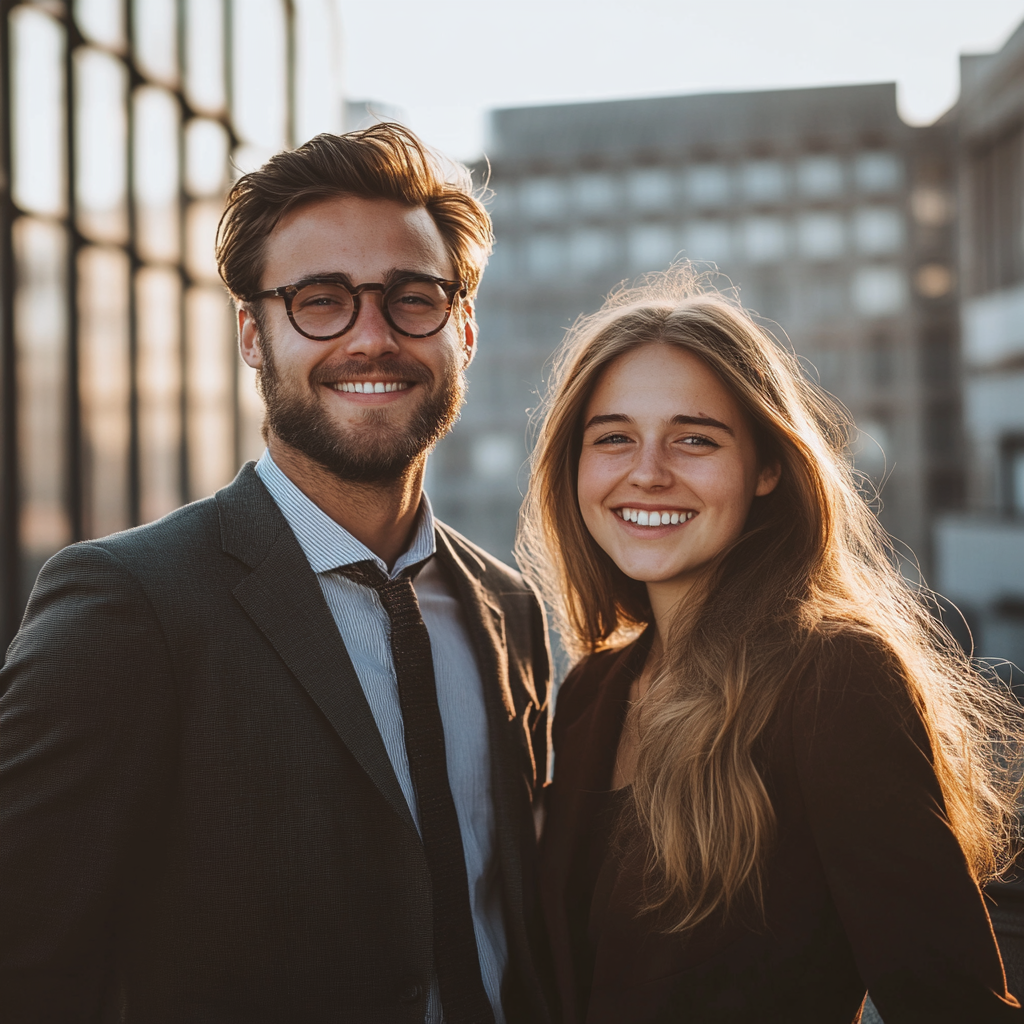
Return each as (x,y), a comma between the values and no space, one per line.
(452,290)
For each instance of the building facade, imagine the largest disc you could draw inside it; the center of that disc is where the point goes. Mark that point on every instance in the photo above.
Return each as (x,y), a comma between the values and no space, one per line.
(832,217)
(122,123)
(980,553)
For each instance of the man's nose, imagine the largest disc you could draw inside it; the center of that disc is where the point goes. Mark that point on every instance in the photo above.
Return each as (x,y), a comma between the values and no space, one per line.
(371,335)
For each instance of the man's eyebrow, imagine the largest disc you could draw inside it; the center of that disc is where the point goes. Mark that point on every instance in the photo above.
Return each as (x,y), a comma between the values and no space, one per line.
(695,421)
(394,274)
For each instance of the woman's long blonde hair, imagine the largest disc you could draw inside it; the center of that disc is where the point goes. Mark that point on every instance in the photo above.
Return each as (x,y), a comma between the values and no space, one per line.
(812,563)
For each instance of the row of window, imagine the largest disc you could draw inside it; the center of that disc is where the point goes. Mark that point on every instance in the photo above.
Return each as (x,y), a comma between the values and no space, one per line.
(816,237)
(705,185)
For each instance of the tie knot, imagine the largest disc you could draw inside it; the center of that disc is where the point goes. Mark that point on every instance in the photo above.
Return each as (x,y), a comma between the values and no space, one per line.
(369,574)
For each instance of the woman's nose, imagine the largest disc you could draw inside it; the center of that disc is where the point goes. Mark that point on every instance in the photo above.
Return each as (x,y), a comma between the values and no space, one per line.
(650,469)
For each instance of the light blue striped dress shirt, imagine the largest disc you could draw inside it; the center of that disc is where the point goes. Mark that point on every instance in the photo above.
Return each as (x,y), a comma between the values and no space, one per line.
(364,627)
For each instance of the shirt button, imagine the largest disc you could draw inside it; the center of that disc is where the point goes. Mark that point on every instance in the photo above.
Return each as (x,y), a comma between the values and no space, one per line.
(410,991)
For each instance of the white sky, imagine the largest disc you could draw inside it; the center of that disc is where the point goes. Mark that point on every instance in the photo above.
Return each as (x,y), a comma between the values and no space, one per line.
(445,63)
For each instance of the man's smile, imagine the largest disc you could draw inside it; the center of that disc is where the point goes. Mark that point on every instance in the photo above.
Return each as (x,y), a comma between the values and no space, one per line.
(370,387)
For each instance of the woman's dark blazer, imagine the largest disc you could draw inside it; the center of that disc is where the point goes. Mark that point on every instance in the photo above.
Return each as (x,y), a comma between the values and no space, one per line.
(865,886)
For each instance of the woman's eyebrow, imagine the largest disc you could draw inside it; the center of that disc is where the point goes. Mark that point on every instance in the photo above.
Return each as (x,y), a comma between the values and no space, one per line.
(701,421)
(690,421)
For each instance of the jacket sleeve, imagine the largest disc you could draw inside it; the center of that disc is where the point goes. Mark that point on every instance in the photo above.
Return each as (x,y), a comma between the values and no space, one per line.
(86,714)
(914,917)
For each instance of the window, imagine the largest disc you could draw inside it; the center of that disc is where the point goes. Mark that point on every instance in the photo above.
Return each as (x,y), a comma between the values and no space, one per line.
(708,240)
(649,188)
(764,239)
(496,456)
(820,177)
(878,172)
(546,255)
(997,196)
(542,198)
(821,236)
(878,229)
(594,192)
(1012,457)
(708,185)
(764,181)
(879,291)
(130,398)
(824,295)
(651,246)
(591,250)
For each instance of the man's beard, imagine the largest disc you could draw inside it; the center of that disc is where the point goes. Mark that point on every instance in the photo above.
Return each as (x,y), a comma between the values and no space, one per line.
(376,451)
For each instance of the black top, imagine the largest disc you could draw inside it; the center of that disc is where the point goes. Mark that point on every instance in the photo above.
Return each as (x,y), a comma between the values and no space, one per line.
(865,886)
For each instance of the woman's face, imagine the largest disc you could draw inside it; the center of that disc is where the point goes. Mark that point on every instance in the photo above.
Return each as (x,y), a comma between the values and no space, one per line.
(665,443)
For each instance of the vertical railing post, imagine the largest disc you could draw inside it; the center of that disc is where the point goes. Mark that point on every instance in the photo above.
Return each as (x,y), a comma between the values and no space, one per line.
(73,480)
(134,264)
(10,552)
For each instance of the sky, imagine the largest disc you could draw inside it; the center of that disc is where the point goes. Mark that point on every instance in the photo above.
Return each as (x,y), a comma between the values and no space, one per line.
(445,63)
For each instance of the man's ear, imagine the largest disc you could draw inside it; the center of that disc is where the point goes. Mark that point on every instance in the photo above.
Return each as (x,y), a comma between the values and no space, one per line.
(249,339)
(467,325)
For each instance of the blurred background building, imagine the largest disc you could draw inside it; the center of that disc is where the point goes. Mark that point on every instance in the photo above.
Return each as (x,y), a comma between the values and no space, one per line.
(832,217)
(121,125)
(872,245)
(980,552)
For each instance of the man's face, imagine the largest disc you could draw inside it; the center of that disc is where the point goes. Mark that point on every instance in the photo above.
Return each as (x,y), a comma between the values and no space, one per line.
(359,436)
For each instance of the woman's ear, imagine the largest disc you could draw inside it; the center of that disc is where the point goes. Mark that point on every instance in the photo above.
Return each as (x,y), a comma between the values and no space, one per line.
(768,478)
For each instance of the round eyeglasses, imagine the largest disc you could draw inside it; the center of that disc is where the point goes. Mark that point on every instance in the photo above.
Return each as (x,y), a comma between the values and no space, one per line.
(322,308)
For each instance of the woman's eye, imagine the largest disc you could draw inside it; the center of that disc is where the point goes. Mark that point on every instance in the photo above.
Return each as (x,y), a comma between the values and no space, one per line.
(613,439)
(699,441)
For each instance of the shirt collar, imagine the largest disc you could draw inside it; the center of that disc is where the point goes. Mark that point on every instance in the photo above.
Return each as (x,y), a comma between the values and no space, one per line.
(327,545)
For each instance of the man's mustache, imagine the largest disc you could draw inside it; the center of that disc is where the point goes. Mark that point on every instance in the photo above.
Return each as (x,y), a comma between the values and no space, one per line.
(361,370)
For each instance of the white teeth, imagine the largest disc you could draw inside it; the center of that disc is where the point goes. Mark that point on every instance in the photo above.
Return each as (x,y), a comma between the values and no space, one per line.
(368,387)
(642,518)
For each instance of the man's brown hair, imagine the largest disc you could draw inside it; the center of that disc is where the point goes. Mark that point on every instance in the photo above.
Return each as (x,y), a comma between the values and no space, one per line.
(384,161)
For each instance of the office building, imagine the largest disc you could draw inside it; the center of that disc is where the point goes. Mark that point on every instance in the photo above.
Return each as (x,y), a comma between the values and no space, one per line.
(980,553)
(833,218)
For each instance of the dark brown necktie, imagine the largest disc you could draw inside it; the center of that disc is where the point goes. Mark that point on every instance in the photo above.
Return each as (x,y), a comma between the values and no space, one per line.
(456,961)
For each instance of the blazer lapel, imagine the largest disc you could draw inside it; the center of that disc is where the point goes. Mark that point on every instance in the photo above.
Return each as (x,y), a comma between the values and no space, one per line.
(283,598)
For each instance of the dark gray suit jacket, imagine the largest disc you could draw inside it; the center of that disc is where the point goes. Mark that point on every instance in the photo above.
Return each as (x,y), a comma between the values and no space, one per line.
(198,818)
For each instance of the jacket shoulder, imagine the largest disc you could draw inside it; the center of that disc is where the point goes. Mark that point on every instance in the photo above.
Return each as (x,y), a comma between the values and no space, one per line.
(495,574)
(179,534)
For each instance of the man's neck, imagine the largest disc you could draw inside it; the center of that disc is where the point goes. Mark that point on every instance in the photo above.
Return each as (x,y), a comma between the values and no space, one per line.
(381,516)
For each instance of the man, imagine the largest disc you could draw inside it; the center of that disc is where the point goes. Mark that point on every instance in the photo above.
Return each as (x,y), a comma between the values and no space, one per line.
(273,757)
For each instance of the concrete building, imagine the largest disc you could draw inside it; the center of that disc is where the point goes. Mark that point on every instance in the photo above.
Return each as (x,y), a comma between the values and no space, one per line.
(981,551)
(832,216)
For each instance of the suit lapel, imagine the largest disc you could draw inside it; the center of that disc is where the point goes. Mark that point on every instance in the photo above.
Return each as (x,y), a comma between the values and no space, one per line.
(283,598)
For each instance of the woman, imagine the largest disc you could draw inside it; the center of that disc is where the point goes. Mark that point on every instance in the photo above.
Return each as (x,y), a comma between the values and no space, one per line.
(777,781)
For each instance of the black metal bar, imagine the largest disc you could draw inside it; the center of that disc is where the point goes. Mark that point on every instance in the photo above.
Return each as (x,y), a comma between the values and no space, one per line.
(134,263)
(184,461)
(290,62)
(73,479)
(10,549)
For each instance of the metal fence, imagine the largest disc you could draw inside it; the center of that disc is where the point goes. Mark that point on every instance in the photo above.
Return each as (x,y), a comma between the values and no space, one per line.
(122,123)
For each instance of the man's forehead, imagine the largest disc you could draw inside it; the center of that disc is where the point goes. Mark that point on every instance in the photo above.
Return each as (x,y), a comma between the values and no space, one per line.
(355,236)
